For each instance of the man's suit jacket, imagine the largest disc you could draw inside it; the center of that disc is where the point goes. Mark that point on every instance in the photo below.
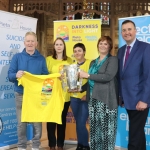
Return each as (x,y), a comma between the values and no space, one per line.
(134,78)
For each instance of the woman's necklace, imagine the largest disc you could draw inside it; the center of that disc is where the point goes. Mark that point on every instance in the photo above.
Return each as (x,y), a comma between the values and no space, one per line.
(98,61)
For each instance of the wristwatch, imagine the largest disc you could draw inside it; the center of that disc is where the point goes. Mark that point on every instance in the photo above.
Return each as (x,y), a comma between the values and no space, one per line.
(88,75)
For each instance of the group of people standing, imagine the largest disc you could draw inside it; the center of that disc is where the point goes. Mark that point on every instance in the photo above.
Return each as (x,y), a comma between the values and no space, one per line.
(108,81)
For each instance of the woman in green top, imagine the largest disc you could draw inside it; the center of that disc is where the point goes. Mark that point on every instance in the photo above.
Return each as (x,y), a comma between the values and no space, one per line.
(102,94)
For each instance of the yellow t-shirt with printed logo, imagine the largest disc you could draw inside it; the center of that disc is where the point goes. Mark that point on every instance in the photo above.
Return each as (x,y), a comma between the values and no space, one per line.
(55,66)
(84,67)
(43,99)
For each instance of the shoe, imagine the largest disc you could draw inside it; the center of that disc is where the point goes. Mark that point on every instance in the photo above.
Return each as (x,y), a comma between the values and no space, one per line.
(79,147)
(52,148)
(59,148)
(86,148)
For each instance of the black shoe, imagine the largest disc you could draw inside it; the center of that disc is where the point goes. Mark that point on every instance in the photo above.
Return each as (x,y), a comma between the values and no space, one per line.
(85,148)
(52,148)
(79,147)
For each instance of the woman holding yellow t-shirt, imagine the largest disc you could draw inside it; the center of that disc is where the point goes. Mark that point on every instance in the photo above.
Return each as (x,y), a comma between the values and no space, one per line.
(54,65)
(78,104)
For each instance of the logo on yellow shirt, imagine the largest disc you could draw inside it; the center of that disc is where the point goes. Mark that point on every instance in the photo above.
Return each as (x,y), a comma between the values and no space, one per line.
(47,90)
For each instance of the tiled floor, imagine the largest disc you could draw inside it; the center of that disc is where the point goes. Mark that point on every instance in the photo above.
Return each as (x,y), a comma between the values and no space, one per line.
(44,146)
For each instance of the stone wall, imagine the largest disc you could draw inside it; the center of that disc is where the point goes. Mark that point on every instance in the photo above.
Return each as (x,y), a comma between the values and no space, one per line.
(50,34)
(4,5)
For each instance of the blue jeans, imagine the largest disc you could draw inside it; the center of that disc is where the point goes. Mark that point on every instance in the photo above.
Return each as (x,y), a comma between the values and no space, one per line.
(81,113)
(22,127)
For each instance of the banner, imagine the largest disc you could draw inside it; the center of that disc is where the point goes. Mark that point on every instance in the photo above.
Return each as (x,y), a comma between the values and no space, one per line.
(78,31)
(12,30)
(143,34)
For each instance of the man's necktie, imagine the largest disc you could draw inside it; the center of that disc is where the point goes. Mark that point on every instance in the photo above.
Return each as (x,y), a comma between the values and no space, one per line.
(127,55)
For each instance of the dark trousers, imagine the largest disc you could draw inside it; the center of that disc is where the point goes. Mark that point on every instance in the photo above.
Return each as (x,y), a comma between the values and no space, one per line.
(137,120)
(51,129)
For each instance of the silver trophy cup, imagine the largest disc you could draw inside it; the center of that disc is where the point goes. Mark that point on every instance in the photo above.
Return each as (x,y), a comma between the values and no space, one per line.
(72,77)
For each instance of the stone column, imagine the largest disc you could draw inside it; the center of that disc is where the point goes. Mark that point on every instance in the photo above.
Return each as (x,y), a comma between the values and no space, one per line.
(112,26)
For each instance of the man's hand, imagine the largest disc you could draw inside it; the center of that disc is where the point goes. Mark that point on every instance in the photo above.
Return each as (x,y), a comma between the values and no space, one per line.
(141,106)
(19,74)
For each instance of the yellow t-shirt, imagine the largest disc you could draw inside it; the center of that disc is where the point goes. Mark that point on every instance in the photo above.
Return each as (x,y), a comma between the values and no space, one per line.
(55,66)
(84,67)
(43,99)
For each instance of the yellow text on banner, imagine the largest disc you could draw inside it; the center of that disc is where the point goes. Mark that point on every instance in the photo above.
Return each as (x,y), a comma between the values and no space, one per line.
(79,31)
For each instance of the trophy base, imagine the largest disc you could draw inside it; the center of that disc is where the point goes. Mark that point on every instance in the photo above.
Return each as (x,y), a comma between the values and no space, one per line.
(74,90)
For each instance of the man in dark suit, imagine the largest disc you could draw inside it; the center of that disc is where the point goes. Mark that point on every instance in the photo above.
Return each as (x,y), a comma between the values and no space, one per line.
(134,83)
